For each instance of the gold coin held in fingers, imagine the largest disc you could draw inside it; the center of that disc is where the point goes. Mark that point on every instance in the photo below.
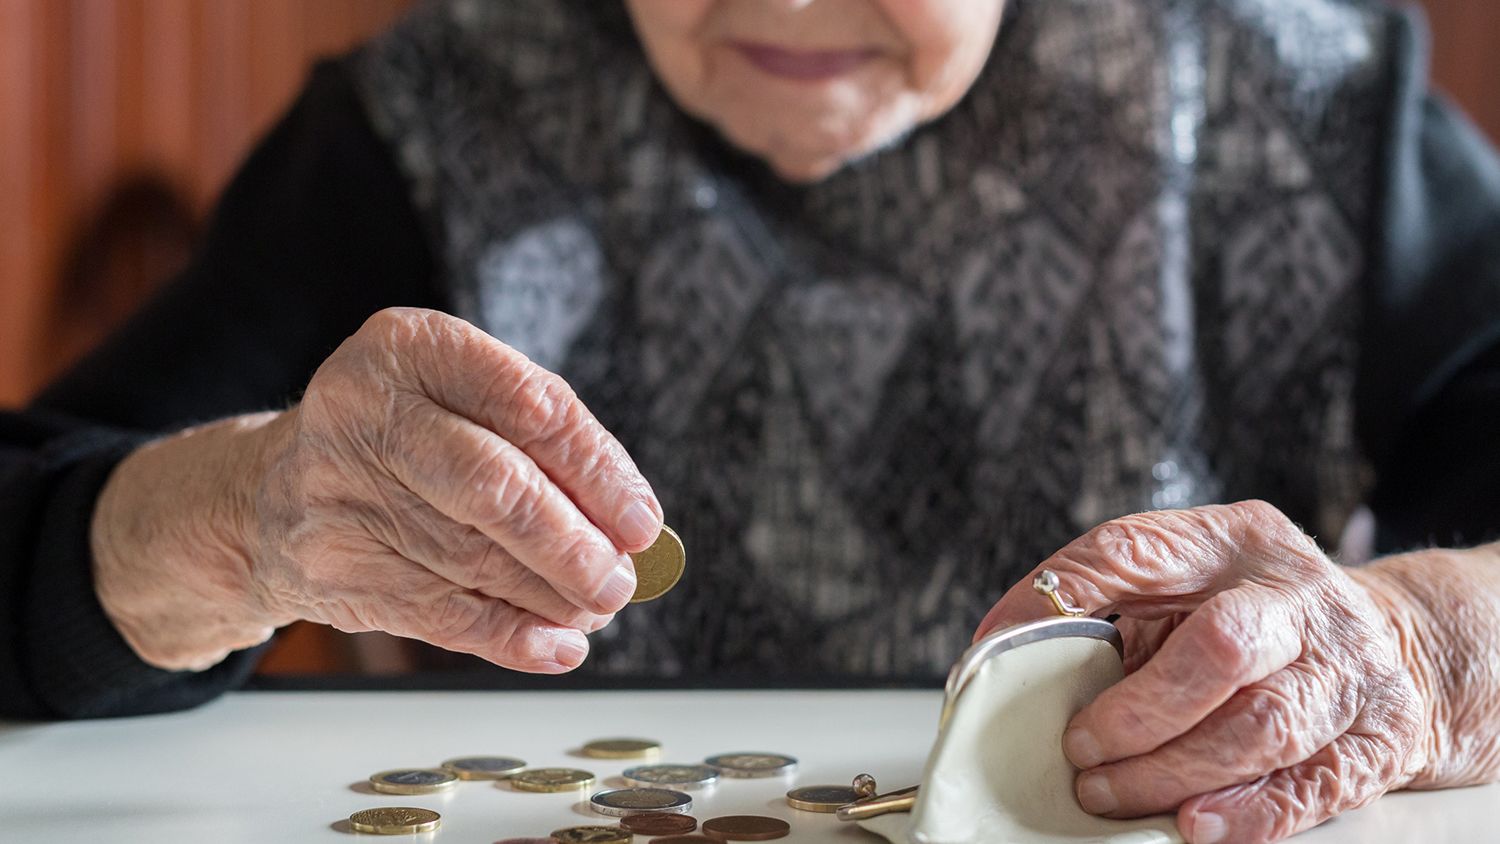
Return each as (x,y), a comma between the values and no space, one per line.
(551,780)
(395,820)
(622,748)
(412,781)
(658,568)
(592,835)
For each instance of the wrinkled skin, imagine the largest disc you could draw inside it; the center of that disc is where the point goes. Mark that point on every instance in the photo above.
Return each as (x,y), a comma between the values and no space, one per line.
(432,483)
(1267,688)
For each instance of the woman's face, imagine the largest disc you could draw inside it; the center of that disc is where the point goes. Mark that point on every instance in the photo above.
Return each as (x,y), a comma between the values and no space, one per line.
(809,85)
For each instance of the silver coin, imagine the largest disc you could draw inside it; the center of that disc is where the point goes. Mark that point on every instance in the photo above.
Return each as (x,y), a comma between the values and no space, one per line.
(745,765)
(483,767)
(619,802)
(412,781)
(681,777)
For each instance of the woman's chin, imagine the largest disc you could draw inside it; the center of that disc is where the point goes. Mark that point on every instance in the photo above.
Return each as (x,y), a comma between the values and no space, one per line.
(802,170)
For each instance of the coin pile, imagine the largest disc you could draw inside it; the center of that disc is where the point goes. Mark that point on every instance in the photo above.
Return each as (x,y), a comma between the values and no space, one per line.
(653,802)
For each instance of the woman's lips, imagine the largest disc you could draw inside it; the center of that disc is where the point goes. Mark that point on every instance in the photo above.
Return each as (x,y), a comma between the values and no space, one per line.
(803,65)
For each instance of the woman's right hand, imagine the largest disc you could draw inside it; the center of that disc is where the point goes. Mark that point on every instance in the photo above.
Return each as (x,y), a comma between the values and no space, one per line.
(433,483)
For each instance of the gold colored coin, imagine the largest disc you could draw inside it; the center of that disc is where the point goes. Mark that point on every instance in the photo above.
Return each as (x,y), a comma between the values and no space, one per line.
(550,780)
(592,835)
(395,820)
(821,798)
(622,748)
(658,568)
(412,781)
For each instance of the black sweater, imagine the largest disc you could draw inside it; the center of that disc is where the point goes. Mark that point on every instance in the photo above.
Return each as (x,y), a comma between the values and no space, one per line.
(318,231)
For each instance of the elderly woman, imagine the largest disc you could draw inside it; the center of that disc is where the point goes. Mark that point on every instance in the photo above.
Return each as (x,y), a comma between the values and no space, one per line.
(880,303)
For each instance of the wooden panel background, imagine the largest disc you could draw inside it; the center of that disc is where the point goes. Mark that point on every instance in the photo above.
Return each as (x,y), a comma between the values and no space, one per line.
(93,91)
(97,93)
(1466,56)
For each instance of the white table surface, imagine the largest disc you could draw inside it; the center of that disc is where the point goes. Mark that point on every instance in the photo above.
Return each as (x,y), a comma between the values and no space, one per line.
(289,767)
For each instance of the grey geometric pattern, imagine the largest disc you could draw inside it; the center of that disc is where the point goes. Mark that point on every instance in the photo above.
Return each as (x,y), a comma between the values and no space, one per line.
(1121,274)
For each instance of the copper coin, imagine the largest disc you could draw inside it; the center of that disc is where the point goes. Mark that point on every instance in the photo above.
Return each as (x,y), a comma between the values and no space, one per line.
(656,823)
(685,839)
(746,828)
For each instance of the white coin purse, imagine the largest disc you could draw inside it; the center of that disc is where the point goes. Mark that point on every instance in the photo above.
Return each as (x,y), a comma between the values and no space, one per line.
(996,773)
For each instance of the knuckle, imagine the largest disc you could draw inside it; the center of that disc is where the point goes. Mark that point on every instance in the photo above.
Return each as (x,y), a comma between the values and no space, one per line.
(1256,511)
(1265,727)
(1136,546)
(485,565)
(581,567)
(390,324)
(460,621)
(1310,796)
(1134,718)
(501,488)
(1224,640)
(543,407)
(1121,539)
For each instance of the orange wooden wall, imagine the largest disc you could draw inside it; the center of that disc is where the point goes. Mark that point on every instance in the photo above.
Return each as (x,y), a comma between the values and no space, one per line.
(1466,58)
(92,90)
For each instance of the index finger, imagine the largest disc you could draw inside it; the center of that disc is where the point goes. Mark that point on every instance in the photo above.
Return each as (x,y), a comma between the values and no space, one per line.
(1148,565)
(472,374)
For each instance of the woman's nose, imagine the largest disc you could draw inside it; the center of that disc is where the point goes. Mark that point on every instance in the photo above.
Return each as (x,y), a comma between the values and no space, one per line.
(790,5)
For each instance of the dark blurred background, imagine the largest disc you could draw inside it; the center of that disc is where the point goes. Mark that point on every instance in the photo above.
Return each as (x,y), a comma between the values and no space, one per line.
(120,121)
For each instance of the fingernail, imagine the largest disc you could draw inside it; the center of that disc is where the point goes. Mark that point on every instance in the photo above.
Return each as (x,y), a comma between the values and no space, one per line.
(1209,828)
(638,526)
(1096,795)
(619,589)
(572,647)
(1081,747)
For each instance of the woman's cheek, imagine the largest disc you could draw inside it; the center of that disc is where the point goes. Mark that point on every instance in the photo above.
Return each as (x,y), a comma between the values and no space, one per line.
(949,41)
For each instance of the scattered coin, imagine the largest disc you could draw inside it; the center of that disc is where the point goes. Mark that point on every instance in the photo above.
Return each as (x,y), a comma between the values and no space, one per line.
(551,779)
(527,841)
(592,835)
(395,820)
(821,798)
(412,781)
(622,748)
(752,764)
(625,801)
(681,777)
(746,828)
(658,568)
(483,767)
(656,823)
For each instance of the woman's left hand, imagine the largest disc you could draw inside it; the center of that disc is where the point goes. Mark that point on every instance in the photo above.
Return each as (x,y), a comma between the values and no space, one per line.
(1267,688)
